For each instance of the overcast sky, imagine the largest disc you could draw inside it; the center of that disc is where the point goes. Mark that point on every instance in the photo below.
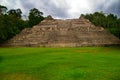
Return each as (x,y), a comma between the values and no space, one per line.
(65,8)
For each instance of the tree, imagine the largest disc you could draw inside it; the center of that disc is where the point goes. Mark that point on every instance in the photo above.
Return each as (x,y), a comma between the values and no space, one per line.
(35,16)
(15,12)
(11,23)
(18,13)
(3,9)
(110,22)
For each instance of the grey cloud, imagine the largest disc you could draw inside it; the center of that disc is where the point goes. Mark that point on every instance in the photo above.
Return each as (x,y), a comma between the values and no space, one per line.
(60,11)
(27,6)
(113,8)
(48,8)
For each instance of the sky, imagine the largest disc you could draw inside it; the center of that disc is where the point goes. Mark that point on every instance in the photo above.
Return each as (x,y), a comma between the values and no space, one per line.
(65,8)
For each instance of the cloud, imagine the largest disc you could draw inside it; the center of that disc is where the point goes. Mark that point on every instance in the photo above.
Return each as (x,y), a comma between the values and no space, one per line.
(111,6)
(56,9)
(114,8)
(65,8)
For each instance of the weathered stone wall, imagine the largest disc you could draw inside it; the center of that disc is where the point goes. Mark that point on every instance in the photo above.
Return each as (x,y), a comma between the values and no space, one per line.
(63,33)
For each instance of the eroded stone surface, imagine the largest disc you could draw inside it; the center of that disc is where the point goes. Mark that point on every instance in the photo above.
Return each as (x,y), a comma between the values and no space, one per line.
(63,33)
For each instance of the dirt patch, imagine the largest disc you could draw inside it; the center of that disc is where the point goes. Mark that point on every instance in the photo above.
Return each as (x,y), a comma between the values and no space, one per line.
(17,77)
(87,51)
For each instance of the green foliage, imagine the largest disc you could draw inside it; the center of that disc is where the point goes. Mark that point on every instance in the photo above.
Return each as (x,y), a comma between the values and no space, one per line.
(11,22)
(3,9)
(10,26)
(35,16)
(110,22)
(15,12)
(85,63)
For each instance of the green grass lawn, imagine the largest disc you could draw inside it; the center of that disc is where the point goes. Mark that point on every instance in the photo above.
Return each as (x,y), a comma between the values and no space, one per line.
(84,63)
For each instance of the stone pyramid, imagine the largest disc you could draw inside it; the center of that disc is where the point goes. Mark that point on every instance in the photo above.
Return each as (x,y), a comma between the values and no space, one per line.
(63,33)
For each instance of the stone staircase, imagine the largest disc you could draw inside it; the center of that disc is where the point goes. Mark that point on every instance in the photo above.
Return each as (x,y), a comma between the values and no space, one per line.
(63,33)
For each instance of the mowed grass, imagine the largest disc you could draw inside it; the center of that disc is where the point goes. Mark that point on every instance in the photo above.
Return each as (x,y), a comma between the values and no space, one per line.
(84,63)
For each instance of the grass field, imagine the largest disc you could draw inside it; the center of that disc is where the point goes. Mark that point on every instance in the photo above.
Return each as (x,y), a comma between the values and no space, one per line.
(85,63)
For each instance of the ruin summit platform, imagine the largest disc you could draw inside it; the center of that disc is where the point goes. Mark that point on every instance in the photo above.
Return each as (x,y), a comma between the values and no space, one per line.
(63,33)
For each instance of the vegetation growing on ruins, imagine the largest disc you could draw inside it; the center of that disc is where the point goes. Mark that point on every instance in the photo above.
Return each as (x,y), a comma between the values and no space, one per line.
(85,63)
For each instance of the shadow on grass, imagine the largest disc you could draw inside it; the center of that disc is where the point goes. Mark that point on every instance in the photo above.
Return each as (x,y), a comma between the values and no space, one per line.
(115,76)
(1,58)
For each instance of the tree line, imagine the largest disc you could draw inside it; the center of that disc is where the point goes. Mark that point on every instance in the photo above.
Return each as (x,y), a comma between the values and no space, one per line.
(109,21)
(11,21)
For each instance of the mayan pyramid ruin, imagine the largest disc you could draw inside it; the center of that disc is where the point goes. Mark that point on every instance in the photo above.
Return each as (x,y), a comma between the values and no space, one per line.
(63,33)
